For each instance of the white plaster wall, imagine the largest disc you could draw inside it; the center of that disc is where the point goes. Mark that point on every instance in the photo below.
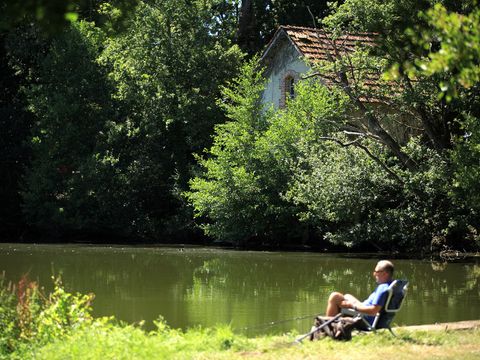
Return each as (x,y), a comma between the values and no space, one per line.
(285,60)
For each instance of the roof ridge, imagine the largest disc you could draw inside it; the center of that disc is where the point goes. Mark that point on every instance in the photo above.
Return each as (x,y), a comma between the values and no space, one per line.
(293,27)
(297,26)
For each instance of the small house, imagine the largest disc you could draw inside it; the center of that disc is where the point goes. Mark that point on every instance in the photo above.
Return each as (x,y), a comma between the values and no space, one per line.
(292,51)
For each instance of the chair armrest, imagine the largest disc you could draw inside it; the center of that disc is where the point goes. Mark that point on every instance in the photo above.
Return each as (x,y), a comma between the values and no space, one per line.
(350,312)
(358,315)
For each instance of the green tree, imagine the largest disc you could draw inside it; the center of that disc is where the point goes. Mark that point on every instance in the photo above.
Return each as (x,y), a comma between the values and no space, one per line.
(167,69)
(27,28)
(71,102)
(238,198)
(241,196)
(118,119)
(55,15)
(15,123)
(371,160)
(417,211)
(225,195)
(456,62)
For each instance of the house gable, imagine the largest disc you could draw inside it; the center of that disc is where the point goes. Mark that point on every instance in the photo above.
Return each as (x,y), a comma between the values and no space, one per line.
(284,66)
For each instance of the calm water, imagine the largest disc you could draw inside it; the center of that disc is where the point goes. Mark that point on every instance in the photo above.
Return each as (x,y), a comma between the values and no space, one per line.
(203,286)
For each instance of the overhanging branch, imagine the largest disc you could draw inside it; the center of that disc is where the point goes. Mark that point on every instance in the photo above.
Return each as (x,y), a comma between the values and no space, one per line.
(357,143)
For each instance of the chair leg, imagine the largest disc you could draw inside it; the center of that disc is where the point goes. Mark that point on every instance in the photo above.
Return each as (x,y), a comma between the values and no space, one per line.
(391,331)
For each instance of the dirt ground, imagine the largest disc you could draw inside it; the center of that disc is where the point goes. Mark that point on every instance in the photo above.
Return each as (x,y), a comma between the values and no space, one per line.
(458,325)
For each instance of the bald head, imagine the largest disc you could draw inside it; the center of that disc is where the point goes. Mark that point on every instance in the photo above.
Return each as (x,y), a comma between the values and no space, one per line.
(385,265)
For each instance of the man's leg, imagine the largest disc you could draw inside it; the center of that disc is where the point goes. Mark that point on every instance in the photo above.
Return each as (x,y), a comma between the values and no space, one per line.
(333,305)
(335,300)
(352,299)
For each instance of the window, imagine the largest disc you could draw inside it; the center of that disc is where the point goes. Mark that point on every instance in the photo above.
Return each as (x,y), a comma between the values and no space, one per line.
(287,87)
(290,87)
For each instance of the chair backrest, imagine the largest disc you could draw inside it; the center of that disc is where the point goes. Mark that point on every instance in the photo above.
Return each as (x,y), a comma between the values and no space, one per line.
(395,294)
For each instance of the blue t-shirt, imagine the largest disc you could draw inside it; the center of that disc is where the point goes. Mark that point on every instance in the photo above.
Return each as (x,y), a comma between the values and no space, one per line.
(376,298)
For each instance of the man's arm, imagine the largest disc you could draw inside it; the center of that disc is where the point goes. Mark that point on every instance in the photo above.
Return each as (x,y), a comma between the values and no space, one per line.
(358,306)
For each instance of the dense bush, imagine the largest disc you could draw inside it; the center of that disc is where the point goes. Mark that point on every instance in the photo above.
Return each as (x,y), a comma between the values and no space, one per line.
(354,202)
(30,319)
(9,329)
(240,194)
(59,325)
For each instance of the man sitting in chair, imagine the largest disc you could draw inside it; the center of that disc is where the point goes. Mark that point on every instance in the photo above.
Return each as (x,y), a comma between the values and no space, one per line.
(383,276)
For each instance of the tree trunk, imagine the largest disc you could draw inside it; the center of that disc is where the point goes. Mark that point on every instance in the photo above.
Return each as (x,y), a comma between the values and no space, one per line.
(246,37)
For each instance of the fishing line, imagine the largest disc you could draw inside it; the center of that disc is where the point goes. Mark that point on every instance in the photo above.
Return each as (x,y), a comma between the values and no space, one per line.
(273,323)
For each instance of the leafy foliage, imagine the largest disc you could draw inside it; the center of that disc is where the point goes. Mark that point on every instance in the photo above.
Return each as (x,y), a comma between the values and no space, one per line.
(118,119)
(458,36)
(162,71)
(231,192)
(56,15)
(71,102)
(242,195)
(383,156)
(30,319)
(15,123)
(365,166)
(341,188)
(415,211)
(9,330)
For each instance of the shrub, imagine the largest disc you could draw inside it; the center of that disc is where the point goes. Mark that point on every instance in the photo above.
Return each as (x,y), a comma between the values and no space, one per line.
(29,319)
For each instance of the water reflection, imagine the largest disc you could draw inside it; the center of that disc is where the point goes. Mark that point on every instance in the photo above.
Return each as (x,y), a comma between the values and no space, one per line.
(198,286)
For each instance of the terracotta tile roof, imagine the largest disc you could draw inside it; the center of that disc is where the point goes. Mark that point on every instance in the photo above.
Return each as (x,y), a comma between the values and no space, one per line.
(316,44)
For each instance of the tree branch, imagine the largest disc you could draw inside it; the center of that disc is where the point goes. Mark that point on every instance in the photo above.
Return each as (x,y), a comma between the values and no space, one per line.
(370,121)
(357,143)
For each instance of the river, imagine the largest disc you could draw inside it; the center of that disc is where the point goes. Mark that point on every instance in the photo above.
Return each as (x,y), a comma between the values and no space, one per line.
(255,292)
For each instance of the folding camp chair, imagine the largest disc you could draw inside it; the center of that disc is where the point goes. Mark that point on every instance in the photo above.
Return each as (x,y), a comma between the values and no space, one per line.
(394,299)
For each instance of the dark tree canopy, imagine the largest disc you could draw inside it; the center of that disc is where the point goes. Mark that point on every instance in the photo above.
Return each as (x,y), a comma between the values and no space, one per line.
(260,18)
(54,15)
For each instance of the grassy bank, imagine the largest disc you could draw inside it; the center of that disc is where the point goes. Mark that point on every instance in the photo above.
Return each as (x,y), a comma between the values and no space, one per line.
(59,325)
(115,342)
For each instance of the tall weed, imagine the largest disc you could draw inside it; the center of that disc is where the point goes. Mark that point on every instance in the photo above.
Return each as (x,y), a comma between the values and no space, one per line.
(29,319)
(9,330)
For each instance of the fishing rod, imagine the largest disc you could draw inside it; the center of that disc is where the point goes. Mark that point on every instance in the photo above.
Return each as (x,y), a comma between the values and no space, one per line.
(273,323)
(299,340)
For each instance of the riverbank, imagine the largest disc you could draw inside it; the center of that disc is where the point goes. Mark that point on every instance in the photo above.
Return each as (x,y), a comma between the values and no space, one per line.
(445,255)
(220,343)
(457,325)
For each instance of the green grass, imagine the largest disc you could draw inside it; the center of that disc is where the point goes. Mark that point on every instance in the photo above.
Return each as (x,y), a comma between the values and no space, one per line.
(103,340)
